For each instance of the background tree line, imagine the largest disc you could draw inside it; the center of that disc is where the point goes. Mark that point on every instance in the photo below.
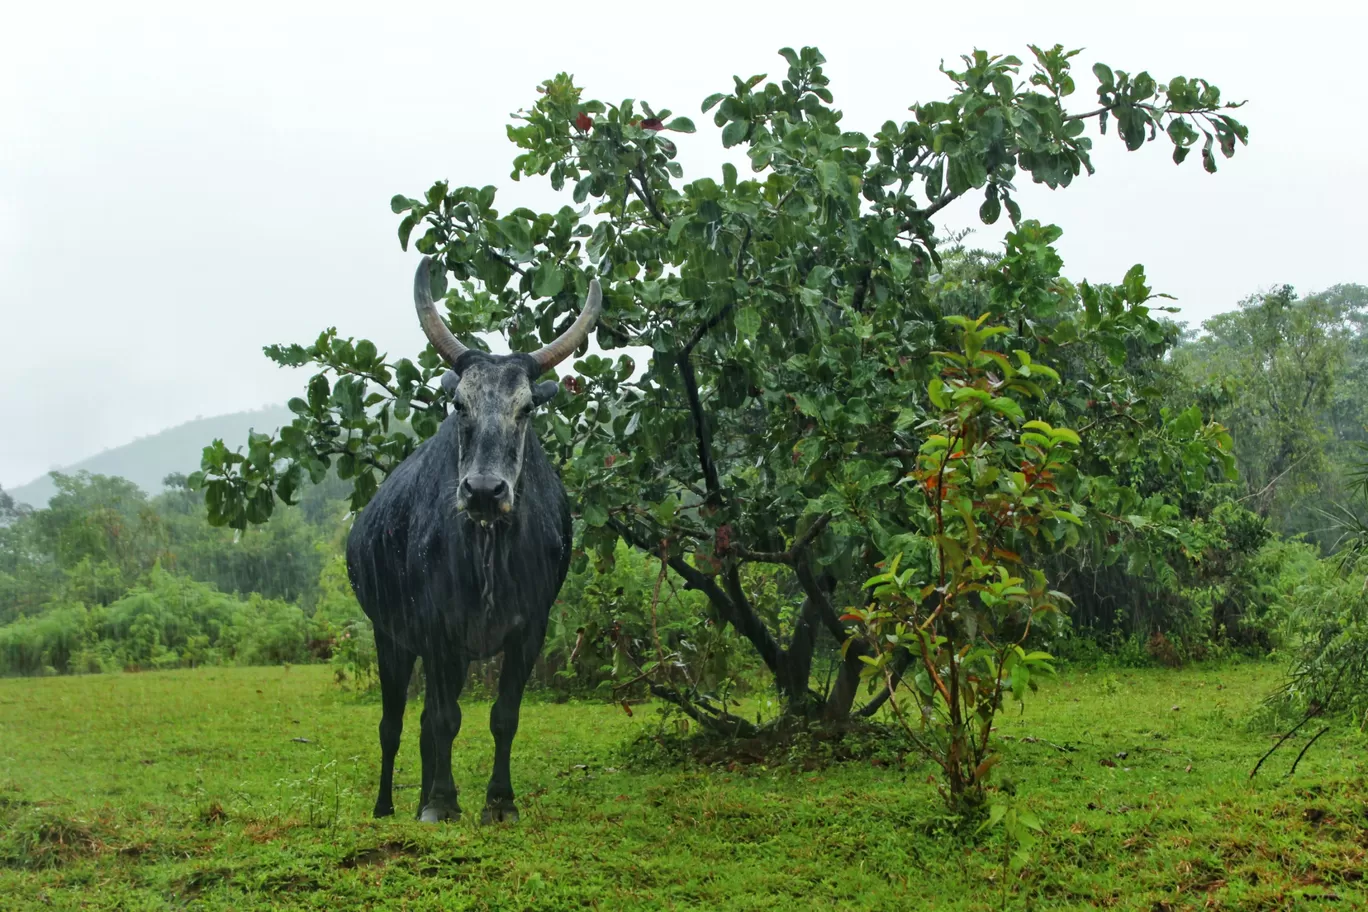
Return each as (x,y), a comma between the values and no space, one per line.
(106,578)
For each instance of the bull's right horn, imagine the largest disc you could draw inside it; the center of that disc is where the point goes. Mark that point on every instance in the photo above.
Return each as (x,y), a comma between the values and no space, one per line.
(447,345)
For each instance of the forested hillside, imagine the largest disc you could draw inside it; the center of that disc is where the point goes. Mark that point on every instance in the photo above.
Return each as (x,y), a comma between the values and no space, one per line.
(147,460)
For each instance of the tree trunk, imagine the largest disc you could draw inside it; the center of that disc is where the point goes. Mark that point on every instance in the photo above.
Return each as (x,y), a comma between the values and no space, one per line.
(796,666)
(847,685)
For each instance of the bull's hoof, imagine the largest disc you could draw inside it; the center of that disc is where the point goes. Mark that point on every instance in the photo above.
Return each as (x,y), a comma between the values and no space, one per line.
(434,813)
(386,810)
(499,812)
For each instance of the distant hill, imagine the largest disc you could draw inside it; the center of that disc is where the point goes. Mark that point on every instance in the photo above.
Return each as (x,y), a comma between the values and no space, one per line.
(147,460)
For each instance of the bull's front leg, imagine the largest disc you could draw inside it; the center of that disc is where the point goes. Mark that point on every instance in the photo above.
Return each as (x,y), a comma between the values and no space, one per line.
(441,723)
(503,725)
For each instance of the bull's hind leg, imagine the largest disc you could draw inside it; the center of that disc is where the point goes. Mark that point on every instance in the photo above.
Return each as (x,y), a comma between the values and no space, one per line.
(429,758)
(441,724)
(396,664)
(503,725)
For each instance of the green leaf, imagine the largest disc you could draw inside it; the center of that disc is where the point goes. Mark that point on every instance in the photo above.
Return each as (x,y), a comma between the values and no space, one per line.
(594,514)
(548,280)
(1006,406)
(991,208)
(681,125)
(995,814)
(747,322)
(406,229)
(935,389)
(318,391)
(734,133)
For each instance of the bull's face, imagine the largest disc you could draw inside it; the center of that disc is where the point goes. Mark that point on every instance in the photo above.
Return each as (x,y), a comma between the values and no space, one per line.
(492,403)
(493,399)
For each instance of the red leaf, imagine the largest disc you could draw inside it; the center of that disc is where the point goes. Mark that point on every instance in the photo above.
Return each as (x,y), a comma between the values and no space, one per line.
(652,123)
(722,540)
(850,617)
(583,122)
(626,708)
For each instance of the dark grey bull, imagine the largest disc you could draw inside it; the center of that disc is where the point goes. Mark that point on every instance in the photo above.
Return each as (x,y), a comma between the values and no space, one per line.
(460,554)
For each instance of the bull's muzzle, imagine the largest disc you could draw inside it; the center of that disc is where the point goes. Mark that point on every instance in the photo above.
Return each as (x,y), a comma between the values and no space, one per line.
(485,496)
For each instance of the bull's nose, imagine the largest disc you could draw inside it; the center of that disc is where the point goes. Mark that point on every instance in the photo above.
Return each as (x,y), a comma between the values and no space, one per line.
(484,493)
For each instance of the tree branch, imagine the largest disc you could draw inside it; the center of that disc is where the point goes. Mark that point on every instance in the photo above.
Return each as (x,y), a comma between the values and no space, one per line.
(818,596)
(643,194)
(702,329)
(741,252)
(793,553)
(1102,110)
(945,199)
(723,722)
(739,615)
(701,431)
(1268,487)
(900,663)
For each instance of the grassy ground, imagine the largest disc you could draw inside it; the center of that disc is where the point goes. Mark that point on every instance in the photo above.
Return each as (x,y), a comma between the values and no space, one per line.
(250,788)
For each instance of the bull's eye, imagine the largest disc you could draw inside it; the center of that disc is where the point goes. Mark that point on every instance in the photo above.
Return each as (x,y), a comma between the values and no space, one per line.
(524,412)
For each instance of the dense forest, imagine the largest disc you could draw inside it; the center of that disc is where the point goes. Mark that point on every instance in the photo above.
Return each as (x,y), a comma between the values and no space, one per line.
(1248,557)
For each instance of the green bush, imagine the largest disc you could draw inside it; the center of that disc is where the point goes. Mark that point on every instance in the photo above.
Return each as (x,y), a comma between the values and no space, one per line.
(45,643)
(155,620)
(166,621)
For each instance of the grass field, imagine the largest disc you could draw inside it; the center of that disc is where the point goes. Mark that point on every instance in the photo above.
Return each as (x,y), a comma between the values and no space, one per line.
(251,788)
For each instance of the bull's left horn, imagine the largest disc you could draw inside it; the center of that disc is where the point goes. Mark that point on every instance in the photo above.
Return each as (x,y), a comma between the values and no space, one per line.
(548,356)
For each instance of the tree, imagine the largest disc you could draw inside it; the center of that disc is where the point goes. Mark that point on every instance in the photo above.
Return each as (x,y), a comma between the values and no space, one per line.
(1276,371)
(788,321)
(101,531)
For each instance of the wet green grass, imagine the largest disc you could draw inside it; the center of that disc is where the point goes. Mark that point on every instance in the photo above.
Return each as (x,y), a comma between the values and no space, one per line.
(251,788)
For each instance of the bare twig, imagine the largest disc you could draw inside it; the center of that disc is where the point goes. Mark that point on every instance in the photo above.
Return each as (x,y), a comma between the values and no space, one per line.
(1310,714)
(1102,110)
(1305,749)
(1268,487)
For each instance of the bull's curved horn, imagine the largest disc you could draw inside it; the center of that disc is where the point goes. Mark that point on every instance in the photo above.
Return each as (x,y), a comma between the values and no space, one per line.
(447,345)
(548,356)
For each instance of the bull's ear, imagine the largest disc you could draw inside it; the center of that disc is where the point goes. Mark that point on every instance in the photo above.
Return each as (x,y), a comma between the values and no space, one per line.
(450,380)
(544,392)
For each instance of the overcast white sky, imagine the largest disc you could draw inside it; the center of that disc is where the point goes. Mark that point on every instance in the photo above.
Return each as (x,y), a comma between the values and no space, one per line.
(181,185)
